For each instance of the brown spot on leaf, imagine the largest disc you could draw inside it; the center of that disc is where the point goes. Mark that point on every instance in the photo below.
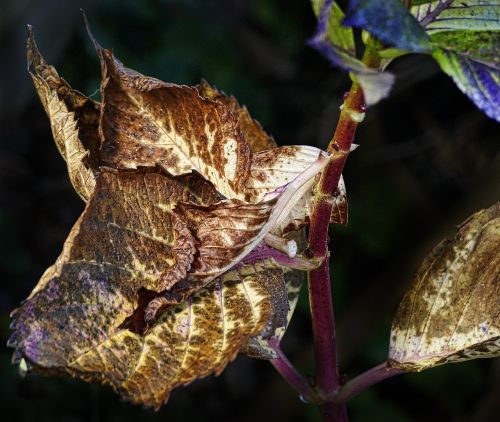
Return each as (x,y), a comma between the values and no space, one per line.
(452,310)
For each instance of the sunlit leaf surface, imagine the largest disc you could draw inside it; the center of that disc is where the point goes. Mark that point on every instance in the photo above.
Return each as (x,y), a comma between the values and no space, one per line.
(451,312)
(157,284)
(74,120)
(452,15)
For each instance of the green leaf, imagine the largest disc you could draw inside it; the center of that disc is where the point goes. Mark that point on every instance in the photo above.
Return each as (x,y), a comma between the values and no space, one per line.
(389,21)
(481,46)
(339,35)
(465,36)
(375,84)
(480,82)
(452,15)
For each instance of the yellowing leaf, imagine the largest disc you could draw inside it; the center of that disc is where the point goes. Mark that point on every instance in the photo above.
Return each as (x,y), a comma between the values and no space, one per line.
(74,120)
(452,311)
(78,332)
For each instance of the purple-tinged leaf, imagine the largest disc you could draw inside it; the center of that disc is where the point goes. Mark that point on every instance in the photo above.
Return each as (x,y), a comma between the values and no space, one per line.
(389,21)
(453,15)
(480,82)
(376,85)
(339,35)
(465,40)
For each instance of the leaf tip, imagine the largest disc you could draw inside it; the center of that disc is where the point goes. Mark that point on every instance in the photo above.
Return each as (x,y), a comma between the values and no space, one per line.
(86,22)
(34,58)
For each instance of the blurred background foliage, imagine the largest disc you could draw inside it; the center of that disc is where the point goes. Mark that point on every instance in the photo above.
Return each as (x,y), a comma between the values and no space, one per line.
(428,159)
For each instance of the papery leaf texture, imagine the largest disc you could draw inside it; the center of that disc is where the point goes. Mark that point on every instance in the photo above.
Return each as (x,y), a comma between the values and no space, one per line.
(147,122)
(259,141)
(78,332)
(84,316)
(390,21)
(451,312)
(273,168)
(334,42)
(465,36)
(165,276)
(74,120)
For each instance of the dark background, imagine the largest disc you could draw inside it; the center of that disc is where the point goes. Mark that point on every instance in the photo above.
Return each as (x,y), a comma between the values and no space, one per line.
(428,159)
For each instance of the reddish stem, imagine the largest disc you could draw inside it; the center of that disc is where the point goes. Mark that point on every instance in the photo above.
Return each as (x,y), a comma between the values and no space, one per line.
(320,296)
(363,381)
(291,375)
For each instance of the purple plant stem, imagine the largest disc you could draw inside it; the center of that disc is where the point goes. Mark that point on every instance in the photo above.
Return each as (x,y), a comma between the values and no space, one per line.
(363,381)
(320,296)
(291,375)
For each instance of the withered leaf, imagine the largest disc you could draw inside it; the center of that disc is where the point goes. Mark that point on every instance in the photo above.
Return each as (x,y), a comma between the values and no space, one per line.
(147,122)
(150,291)
(300,214)
(256,137)
(451,312)
(223,232)
(77,332)
(258,346)
(74,120)
(128,228)
(272,168)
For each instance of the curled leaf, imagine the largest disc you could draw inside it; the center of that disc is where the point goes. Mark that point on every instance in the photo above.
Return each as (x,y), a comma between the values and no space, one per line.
(301,212)
(165,276)
(61,330)
(147,122)
(451,312)
(223,231)
(376,85)
(272,170)
(74,120)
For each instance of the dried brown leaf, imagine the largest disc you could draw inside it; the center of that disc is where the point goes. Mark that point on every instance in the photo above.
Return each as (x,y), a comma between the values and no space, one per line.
(74,120)
(150,291)
(271,168)
(257,139)
(223,232)
(128,228)
(147,122)
(451,312)
(65,330)
(258,346)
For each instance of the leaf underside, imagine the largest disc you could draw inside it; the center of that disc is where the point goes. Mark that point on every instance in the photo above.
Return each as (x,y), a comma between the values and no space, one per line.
(451,312)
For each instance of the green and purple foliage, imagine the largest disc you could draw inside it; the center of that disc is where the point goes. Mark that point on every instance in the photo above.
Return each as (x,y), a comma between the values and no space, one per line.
(462,36)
